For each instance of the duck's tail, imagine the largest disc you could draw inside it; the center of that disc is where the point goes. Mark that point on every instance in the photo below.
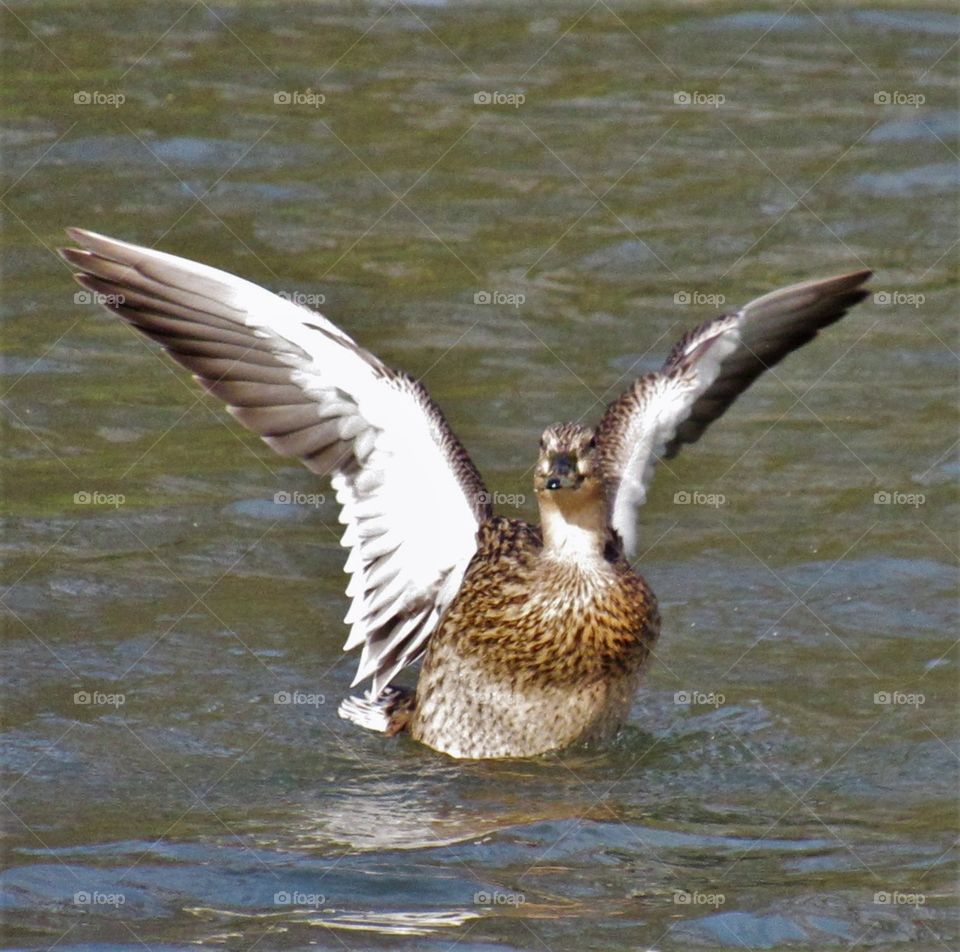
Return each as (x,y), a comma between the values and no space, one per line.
(388,712)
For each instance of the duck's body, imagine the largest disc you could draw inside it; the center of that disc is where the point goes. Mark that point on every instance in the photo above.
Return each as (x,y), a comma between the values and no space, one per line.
(536,651)
(532,638)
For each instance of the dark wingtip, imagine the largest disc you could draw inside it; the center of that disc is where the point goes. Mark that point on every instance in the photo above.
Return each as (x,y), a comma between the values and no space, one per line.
(70,254)
(857,278)
(74,256)
(840,283)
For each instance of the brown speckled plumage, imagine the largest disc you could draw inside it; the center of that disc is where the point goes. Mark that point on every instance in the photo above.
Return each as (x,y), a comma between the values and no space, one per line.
(533,655)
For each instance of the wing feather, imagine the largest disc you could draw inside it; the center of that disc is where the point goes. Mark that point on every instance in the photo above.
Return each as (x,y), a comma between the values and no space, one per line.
(411,499)
(707,370)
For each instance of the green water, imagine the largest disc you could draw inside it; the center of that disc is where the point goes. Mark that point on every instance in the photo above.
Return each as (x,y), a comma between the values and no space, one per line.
(797,812)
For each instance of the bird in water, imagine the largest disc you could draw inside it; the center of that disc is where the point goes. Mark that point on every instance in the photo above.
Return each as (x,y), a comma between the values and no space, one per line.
(532,638)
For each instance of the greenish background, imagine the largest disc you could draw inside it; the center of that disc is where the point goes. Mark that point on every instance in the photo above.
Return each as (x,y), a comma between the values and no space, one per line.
(200,811)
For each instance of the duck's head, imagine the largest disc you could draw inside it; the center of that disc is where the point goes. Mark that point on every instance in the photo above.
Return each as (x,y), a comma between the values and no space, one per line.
(570,491)
(568,460)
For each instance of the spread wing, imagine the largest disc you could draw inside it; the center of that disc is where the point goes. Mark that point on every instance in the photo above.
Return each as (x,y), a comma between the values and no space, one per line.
(706,371)
(411,498)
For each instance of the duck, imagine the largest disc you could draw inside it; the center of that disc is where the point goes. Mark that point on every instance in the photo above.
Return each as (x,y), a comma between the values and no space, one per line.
(530,638)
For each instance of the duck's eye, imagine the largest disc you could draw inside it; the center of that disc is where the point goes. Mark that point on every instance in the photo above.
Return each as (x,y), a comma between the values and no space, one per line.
(592,445)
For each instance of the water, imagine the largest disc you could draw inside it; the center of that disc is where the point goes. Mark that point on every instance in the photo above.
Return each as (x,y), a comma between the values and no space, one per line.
(788,777)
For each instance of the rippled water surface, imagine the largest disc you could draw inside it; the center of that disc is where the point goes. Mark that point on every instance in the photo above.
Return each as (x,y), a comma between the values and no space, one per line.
(789,774)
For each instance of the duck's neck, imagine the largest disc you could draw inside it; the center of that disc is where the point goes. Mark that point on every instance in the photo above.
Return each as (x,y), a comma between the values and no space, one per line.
(574,524)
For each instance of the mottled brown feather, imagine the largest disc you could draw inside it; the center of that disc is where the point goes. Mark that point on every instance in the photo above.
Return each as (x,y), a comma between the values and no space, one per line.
(524,632)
